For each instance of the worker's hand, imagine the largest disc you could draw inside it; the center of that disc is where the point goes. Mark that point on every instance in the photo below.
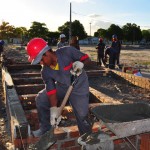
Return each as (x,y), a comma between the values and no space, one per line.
(55,116)
(77,68)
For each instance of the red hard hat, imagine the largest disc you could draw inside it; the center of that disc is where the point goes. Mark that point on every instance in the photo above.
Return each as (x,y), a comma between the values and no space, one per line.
(100,39)
(36,47)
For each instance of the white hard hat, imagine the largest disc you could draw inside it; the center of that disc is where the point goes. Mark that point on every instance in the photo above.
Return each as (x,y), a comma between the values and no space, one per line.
(62,36)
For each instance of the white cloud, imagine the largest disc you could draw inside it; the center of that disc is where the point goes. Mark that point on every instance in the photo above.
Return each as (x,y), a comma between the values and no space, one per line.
(79,1)
(94,16)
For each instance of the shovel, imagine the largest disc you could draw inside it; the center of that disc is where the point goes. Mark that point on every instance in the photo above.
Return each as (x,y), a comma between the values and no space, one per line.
(48,139)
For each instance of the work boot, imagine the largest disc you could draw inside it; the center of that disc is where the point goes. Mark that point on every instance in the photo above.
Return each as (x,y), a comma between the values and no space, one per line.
(37,133)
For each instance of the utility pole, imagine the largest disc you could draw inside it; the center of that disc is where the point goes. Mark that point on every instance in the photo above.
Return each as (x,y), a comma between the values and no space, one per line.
(70,33)
(90,28)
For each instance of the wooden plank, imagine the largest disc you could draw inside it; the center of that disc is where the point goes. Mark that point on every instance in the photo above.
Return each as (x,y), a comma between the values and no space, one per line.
(25,75)
(29,88)
(29,97)
(22,67)
(31,80)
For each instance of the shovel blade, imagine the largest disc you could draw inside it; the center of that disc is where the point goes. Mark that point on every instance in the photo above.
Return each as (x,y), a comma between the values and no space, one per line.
(45,141)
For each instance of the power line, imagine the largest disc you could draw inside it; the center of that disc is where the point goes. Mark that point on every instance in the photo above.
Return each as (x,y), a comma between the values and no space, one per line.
(107,20)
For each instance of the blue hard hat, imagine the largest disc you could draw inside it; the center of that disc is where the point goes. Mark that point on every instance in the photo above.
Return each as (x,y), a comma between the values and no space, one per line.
(114,36)
(2,42)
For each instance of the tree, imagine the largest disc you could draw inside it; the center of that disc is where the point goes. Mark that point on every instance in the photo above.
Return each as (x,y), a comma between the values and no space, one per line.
(115,29)
(78,30)
(21,32)
(146,35)
(38,30)
(101,33)
(76,27)
(132,32)
(6,30)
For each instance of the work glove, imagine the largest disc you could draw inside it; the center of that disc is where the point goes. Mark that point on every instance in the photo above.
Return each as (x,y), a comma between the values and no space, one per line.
(55,116)
(77,68)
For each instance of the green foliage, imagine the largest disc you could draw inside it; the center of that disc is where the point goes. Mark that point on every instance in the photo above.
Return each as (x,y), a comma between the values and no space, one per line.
(38,30)
(129,32)
(101,33)
(114,29)
(132,32)
(76,28)
(146,34)
(6,30)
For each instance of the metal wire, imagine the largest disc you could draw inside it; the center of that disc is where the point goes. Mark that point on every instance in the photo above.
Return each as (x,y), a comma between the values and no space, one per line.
(19,129)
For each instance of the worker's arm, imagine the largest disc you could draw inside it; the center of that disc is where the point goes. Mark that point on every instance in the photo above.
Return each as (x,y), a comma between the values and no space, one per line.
(52,97)
(87,61)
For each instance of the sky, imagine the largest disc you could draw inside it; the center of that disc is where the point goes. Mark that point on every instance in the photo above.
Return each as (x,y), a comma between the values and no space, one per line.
(92,14)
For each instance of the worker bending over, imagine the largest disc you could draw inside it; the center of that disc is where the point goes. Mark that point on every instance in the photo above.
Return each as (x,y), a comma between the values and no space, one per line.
(56,74)
(111,53)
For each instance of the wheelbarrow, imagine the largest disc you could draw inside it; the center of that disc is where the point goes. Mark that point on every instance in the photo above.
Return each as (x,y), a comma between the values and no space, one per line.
(122,120)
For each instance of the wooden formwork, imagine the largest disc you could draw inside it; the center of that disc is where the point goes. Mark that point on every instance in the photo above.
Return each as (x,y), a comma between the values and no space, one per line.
(136,80)
(20,94)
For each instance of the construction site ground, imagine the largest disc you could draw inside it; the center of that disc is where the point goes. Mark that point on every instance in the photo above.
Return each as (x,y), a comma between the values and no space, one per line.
(121,91)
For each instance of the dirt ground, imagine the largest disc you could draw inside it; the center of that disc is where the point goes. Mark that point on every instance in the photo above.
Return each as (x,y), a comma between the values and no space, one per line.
(130,55)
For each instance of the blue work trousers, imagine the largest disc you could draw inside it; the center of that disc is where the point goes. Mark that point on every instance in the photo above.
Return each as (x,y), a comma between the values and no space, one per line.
(79,103)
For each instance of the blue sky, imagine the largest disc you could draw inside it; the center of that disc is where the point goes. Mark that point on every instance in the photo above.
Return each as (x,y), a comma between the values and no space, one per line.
(54,13)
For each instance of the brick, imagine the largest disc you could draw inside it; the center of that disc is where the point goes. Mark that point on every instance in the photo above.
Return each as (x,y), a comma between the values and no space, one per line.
(75,148)
(19,143)
(60,134)
(68,144)
(74,131)
(118,141)
(54,147)
(96,127)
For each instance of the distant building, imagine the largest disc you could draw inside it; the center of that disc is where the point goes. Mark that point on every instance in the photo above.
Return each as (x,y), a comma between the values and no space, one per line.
(15,40)
(89,41)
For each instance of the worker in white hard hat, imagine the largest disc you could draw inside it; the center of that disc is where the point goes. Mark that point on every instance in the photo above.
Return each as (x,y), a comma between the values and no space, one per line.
(62,41)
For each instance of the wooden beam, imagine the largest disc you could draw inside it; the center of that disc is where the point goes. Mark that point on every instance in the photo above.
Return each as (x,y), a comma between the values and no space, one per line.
(25,75)
(29,88)
(31,80)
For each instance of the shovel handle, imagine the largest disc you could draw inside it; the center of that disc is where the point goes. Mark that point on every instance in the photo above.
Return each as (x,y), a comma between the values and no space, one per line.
(66,98)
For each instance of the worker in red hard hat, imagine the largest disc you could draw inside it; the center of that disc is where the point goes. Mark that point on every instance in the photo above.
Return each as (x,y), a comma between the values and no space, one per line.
(100,52)
(62,41)
(58,67)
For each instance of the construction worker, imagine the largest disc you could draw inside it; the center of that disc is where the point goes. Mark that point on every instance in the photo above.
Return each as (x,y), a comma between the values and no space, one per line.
(62,41)
(117,46)
(57,70)
(111,53)
(100,52)
(75,42)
